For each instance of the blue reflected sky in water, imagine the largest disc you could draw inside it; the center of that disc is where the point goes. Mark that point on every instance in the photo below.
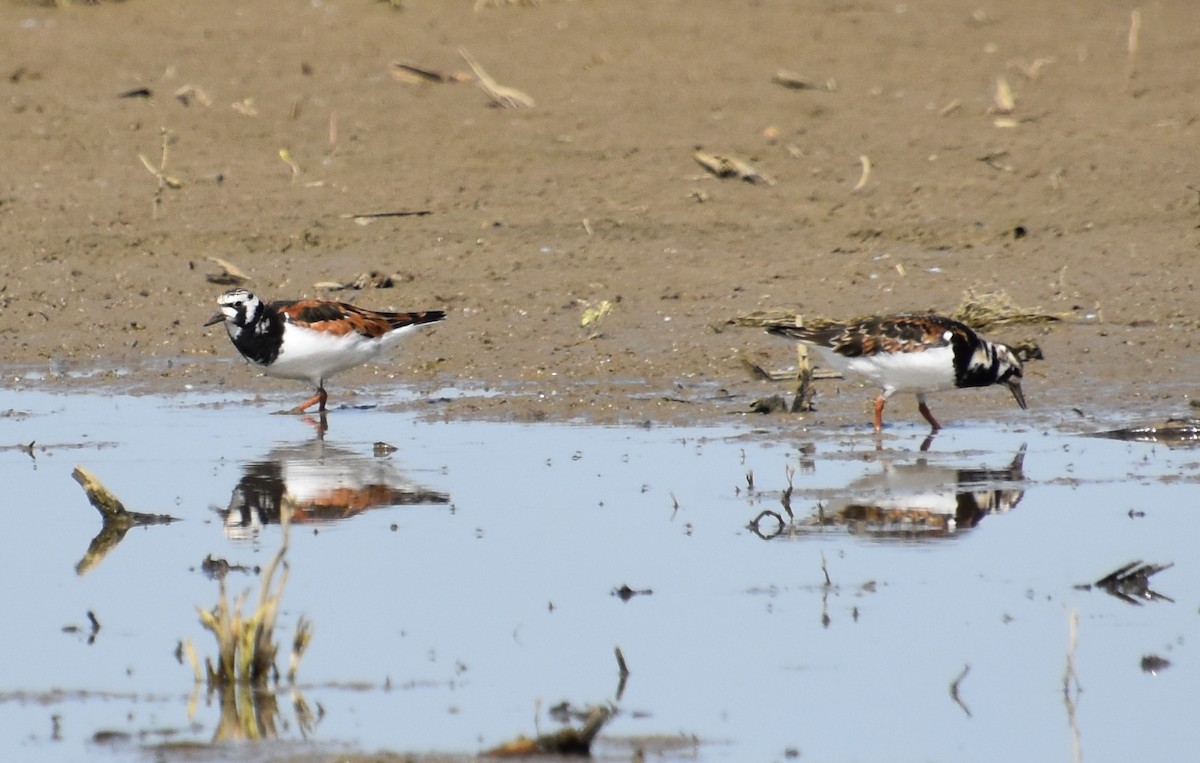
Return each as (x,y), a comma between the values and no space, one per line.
(473,612)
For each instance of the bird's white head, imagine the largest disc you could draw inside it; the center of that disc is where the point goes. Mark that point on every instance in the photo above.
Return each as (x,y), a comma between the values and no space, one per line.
(239,309)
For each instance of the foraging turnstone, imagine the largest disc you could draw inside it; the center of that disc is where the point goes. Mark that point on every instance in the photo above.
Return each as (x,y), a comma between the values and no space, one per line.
(310,339)
(913,353)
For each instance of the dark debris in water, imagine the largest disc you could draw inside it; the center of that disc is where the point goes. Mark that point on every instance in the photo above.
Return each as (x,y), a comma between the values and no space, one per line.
(1181,432)
(1153,664)
(1131,582)
(215,569)
(625,593)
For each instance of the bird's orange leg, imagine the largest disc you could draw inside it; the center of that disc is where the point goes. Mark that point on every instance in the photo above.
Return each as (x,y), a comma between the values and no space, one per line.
(320,398)
(879,403)
(924,409)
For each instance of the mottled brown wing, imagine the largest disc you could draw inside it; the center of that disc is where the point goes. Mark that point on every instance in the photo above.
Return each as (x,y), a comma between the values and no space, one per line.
(895,333)
(907,333)
(340,318)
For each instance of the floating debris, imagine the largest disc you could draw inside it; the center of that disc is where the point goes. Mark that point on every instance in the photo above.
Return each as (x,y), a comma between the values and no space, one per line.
(1153,664)
(625,593)
(214,568)
(1131,582)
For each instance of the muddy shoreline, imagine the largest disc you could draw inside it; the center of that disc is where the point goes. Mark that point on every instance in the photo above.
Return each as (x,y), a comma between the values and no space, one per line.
(1077,201)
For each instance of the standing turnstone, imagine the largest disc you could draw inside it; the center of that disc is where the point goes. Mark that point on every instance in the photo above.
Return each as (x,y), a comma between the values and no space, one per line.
(310,339)
(913,353)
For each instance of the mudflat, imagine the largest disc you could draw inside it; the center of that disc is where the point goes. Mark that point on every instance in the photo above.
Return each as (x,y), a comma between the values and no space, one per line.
(906,154)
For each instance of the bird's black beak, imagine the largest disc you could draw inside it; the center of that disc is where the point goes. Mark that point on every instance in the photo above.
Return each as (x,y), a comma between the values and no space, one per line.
(1015,388)
(221,316)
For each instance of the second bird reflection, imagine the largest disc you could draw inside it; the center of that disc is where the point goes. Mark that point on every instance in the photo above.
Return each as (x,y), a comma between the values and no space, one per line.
(909,501)
(323,484)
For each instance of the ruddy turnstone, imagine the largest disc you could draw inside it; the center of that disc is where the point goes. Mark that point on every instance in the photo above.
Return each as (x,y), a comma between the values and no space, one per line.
(913,353)
(310,339)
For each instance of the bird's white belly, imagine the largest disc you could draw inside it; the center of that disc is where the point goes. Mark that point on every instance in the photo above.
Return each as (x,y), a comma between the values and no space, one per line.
(927,371)
(314,356)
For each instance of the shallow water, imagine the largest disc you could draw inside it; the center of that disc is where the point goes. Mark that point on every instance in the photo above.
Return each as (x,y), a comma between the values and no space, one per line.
(467,584)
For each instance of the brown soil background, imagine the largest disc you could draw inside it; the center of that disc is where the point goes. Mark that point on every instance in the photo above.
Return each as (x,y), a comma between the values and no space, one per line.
(593,194)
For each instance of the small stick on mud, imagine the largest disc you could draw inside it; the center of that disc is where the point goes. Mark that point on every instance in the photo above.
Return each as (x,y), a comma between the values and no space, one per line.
(231,274)
(1003,100)
(502,96)
(865,177)
(377,215)
(415,74)
(731,167)
(286,156)
(1135,28)
(160,173)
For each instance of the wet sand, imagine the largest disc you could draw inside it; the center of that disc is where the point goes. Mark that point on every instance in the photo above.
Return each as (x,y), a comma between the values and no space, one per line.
(1080,200)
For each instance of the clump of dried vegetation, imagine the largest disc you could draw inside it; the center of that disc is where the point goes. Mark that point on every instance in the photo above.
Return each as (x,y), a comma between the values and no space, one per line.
(246,645)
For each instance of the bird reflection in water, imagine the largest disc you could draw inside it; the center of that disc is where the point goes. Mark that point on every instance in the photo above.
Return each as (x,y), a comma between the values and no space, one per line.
(322,483)
(909,501)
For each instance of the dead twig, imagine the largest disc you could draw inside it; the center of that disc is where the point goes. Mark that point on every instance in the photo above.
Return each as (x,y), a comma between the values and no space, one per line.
(230,275)
(165,181)
(730,167)
(865,162)
(117,520)
(1135,29)
(412,74)
(501,95)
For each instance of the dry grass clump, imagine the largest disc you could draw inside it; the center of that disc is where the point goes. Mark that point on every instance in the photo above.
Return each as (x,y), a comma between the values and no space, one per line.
(246,646)
(985,311)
